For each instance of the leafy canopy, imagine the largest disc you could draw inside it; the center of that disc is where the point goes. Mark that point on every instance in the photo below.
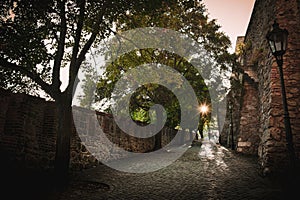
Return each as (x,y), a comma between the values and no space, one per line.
(44,36)
(187,17)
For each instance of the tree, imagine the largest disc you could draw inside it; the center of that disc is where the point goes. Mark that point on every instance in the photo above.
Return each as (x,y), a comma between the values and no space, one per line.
(88,86)
(43,37)
(148,95)
(187,17)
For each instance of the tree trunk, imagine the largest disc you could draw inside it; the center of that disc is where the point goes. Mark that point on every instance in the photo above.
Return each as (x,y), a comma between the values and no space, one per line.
(200,128)
(158,136)
(201,133)
(157,144)
(219,124)
(62,155)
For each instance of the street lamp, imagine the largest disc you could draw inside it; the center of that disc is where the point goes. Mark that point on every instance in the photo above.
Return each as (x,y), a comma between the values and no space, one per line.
(203,109)
(277,39)
(231,125)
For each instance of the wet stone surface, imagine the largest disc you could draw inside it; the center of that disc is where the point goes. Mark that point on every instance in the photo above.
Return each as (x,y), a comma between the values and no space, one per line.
(208,171)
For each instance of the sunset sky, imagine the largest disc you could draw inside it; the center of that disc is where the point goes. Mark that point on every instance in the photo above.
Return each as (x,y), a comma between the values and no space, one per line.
(232,15)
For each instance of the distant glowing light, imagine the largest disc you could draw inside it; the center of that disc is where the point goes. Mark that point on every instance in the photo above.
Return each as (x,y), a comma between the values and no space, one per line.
(203,109)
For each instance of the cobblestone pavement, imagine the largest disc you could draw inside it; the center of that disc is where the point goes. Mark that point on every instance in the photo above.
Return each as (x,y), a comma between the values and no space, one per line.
(208,171)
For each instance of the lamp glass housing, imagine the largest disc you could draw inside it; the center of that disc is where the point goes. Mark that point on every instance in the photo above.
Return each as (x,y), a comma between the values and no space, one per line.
(278,39)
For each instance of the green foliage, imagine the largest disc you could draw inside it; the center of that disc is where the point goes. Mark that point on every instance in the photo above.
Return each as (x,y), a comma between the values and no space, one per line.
(187,17)
(150,94)
(88,86)
(44,36)
(22,41)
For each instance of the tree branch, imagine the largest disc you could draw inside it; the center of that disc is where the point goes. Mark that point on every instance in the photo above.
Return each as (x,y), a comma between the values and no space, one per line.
(35,77)
(61,47)
(73,64)
(78,33)
(77,59)
(75,67)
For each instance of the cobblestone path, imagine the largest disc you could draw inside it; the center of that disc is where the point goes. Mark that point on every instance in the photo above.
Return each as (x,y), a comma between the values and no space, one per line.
(208,171)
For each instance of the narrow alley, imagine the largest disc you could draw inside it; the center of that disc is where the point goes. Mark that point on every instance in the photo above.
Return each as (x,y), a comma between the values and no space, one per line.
(206,171)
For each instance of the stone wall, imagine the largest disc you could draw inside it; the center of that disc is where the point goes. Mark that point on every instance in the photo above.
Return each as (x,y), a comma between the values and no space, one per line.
(98,144)
(248,134)
(28,134)
(261,117)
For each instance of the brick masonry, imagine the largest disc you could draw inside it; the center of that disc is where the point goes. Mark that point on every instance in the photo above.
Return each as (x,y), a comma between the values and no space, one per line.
(96,143)
(28,134)
(260,126)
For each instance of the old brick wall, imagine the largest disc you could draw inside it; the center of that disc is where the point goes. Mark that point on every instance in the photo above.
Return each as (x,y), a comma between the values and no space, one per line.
(245,116)
(272,149)
(262,111)
(248,133)
(96,143)
(28,134)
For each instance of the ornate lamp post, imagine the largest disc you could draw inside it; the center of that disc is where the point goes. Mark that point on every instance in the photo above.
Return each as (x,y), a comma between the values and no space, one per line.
(277,39)
(231,125)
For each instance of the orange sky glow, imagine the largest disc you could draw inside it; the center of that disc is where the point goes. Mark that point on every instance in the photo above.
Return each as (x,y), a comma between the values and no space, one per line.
(232,15)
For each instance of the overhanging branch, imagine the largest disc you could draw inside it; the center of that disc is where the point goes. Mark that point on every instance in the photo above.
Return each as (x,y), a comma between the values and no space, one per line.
(32,75)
